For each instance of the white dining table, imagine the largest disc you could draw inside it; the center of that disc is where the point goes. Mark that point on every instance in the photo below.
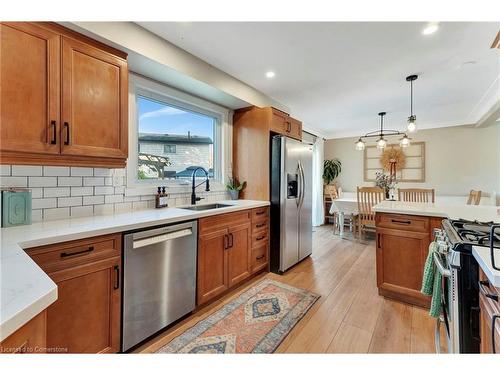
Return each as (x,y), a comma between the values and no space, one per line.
(347,204)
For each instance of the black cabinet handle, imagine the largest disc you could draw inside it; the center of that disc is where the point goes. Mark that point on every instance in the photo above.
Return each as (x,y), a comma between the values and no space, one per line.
(407,222)
(54,132)
(483,284)
(226,241)
(260,257)
(230,240)
(81,252)
(117,277)
(260,225)
(260,212)
(66,126)
(378,241)
(260,238)
(493,320)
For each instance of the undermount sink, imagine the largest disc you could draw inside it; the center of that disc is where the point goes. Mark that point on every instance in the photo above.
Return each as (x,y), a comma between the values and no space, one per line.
(204,207)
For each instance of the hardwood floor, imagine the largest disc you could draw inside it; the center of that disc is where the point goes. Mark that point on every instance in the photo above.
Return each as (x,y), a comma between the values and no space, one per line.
(350,316)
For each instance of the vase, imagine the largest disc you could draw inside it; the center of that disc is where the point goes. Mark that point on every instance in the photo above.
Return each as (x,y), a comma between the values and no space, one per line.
(235,194)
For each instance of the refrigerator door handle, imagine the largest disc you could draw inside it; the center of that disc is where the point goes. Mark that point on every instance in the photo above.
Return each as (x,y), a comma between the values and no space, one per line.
(299,185)
(302,184)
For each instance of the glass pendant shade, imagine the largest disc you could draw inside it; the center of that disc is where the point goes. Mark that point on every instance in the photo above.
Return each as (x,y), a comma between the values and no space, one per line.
(404,142)
(412,124)
(381,143)
(360,145)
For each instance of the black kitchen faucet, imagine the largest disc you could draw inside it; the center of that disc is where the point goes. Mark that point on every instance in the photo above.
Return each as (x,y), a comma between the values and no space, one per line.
(195,199)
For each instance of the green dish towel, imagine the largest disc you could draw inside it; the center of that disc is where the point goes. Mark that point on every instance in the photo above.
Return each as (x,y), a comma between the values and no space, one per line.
(431,282)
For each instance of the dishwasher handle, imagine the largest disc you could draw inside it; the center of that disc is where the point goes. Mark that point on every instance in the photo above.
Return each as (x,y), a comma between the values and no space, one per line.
(162,238)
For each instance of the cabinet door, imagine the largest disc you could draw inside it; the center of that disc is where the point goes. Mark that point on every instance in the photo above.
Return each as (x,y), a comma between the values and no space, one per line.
(489,309)
(86,316)
(295,128)
(239,253)
(278,122)
(400,261)
(94,101)
(29,87)
(212,265)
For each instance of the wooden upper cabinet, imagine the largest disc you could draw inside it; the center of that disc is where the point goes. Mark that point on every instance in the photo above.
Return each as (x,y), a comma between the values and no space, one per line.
(64,98)
(295,129)
(94,101)
(29,87)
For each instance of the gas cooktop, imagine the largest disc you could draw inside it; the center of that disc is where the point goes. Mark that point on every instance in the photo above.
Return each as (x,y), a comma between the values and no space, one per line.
(476,232)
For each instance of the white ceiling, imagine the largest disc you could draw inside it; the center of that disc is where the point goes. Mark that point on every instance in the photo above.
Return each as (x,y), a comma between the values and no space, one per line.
(337,76)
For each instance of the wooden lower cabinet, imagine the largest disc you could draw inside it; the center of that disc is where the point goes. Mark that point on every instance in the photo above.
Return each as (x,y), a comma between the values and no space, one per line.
(401,250)
(226,254)
(490,317)
(212,265)
(239,254)
(86,315)
(29,339)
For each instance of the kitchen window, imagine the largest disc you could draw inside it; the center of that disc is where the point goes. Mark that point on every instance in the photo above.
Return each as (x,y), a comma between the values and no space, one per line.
(173,133)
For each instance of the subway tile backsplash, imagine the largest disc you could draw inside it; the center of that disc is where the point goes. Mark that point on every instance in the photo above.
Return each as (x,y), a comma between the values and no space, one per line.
(63,192)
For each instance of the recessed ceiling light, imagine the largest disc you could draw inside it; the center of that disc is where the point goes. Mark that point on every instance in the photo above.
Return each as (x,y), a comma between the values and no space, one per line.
(431,28)
(270,74)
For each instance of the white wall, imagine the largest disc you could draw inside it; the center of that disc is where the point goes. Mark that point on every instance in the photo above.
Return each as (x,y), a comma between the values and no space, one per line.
(457,159)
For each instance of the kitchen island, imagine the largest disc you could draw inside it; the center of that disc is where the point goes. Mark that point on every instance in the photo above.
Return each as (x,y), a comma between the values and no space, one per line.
(404,231)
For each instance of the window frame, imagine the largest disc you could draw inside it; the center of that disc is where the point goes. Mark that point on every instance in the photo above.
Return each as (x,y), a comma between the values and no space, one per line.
(222,148)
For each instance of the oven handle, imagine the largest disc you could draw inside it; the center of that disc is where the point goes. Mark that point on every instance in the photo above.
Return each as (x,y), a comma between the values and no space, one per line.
(442,270)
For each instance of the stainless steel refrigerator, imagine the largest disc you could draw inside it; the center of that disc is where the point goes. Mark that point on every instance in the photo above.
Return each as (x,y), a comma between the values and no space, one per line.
(291,202)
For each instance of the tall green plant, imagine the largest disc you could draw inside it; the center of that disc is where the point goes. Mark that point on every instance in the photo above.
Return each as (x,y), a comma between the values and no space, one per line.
(331,170)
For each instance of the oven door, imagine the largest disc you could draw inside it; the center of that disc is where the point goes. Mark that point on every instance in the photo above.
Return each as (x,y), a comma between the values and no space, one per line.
(444,324)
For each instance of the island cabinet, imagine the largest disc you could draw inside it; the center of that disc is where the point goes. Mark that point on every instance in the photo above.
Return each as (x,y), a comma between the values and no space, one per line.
(64,98)
(229,252)
(86,315)
(402,244)
(252,131)
(490,315)
(29,339)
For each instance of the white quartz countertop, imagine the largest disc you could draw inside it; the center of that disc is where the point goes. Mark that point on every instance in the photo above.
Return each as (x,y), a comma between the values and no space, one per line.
(451,211)
(25,290)
(454,211)
(483,257)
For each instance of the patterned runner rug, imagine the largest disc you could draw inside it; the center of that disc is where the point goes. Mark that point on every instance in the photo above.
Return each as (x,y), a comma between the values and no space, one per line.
(256,321)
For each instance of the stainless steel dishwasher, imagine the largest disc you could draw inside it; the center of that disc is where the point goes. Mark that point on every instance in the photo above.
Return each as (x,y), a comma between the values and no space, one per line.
(159,280)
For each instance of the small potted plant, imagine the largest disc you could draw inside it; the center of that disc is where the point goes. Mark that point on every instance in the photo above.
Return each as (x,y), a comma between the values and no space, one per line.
(235,187)
(386,182)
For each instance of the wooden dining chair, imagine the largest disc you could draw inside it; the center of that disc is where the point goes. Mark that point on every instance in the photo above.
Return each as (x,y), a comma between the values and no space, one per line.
(416,195)
(367,198)
(474,197)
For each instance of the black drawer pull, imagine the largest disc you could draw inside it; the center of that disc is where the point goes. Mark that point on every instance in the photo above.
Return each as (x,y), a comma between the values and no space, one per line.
(54,132)
(81,252)
(260,225)
(260,238)
(260,212)
(66,126)
(260,257)
(230,240)
(117,279)
(407,222)
(483,284)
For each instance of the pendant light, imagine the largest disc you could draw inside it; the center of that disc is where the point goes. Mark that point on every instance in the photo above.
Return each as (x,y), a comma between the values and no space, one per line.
(412,119)
(380,134)
(382,142)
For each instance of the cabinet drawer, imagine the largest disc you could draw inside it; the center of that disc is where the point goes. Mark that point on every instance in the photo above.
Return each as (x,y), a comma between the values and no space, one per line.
(260,213)
(259,239)
(260,225)
(259,258)
(69,254)
(403,222)
(211,223)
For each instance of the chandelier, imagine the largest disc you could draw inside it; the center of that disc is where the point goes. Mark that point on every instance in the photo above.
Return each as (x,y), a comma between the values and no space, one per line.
(380,134)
